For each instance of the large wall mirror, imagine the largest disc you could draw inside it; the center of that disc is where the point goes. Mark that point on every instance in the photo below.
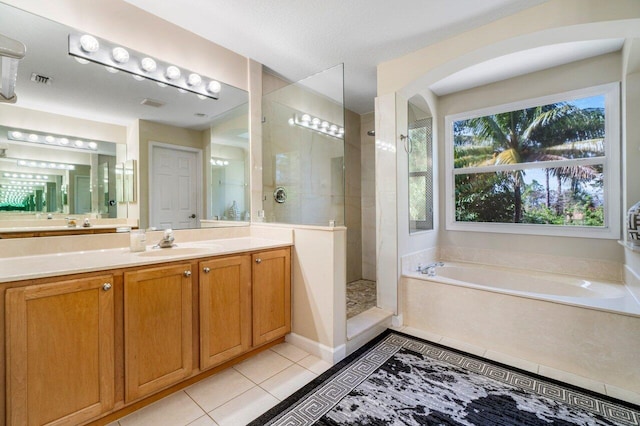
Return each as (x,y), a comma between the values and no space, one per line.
(80,136)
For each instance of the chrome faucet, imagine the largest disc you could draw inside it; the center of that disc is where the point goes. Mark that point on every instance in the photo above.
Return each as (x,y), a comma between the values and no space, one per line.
(167,240)
(430,269)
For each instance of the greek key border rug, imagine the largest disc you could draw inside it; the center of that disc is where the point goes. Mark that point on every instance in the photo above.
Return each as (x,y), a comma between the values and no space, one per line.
(402,380)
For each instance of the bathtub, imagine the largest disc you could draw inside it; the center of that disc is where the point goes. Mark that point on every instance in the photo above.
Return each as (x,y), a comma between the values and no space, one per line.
(566,289)
(554,322)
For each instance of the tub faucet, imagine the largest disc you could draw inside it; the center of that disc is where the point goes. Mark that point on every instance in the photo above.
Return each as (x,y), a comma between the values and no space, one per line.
(430,269)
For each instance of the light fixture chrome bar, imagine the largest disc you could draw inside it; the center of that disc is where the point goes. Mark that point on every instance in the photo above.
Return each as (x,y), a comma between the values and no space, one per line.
(317,124)
(45,165)
(11,51)
(86,47)
(52,139)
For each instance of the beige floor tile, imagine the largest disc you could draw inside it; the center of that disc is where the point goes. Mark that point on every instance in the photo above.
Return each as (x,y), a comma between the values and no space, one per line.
(512,361)
(623,394)
(571,379)
(203,421)
(260,367)
(214,391)
(290,351)
(287,381)
(244,408)
(463,346)
(315,364)
(175,410)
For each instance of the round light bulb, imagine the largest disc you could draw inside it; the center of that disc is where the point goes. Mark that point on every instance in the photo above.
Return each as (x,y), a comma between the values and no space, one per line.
(79,143)
(173,72)
(33,137)
(341,131)
(305,118)
(89,43)
(16,134)
(93,145)
(225,162)
(325,124)
(315,121)
(148,64)
(291,121)
(214,86)
(120,55)
(333,128)
(194,80)
(50,139)
(52,165)
(64,141)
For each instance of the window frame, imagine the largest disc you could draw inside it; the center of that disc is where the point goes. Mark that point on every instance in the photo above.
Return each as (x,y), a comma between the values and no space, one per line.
(611,168)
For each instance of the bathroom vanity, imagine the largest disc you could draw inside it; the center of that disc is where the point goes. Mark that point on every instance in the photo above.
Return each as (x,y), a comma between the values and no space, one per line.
(95,339)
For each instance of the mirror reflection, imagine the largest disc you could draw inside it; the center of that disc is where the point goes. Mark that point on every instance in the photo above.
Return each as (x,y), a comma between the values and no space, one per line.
(148,136)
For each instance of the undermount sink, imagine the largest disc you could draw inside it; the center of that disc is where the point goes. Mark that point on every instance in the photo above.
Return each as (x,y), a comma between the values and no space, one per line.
(174,251)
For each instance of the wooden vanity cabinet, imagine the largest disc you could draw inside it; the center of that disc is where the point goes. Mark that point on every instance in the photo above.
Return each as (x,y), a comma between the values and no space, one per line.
(271,295)
(60,351)
(157,328)
(225,309)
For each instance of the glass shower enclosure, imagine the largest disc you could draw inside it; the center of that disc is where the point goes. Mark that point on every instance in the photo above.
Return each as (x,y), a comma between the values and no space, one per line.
(303,149)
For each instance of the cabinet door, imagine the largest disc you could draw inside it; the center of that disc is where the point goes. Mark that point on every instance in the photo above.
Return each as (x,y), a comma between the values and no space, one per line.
(225,309)
(157,328)
(60,353)
(271,277)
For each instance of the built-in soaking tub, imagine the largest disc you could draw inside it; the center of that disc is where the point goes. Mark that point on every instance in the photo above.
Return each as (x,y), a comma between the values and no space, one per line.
(553,287)
(585,327)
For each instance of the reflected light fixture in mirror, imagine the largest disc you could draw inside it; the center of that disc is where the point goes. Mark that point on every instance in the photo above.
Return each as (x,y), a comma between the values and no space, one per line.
(51,139)
(317,124)
(87,47)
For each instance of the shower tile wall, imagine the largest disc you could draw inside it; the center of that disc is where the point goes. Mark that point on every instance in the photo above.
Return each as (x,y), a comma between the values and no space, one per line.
(308,165)
(368,197)
(353,219)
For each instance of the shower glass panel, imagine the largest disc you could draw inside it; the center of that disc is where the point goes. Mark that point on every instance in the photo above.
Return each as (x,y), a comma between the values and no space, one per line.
(420,147)
(303,150)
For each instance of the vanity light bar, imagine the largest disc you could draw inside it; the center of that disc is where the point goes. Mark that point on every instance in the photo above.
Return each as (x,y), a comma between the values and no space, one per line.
(45,165)
(319,125)
(88,48)
(51,139)
(219,162)
(23,176)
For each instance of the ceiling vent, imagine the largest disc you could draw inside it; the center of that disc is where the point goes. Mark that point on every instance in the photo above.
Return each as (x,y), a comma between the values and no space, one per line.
(200,115)
(41,79)
(152,103)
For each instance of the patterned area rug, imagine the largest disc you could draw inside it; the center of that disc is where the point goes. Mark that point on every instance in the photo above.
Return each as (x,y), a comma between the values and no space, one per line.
(402,380)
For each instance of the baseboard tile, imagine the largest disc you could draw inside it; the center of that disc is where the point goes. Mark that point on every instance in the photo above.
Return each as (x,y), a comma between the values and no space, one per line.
(324,352)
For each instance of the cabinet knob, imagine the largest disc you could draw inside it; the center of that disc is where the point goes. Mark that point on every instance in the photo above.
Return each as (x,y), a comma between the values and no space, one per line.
(258,260)
(206,269)
(187,273)
(106,286)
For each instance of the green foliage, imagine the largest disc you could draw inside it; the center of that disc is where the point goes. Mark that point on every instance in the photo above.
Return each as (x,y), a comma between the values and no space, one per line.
(551,132)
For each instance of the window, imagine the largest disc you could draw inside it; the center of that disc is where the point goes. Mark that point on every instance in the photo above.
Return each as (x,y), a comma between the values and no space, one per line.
(420,175)
(546,166)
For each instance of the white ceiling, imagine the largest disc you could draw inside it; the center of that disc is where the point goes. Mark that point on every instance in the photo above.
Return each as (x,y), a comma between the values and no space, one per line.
(297,38)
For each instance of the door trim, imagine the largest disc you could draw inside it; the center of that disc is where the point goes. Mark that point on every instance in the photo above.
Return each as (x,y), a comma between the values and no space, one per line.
(198,151)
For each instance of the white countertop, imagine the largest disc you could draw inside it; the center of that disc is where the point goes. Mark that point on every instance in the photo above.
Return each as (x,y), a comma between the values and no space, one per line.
(50,265)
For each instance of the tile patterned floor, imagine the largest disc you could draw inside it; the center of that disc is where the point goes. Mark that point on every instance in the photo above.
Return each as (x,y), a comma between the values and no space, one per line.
(361,296)
(236,395)
(240,394)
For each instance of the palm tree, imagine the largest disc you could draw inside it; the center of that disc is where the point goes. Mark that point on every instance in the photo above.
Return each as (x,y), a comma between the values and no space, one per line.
(545,133)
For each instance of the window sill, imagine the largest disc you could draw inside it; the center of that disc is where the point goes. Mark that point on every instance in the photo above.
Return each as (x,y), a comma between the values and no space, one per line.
(539,230)
(629,246)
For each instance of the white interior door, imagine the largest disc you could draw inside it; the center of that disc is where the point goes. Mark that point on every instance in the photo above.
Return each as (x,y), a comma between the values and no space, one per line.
(174,190)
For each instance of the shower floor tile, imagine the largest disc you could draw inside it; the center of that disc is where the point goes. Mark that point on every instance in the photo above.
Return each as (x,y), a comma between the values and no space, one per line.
(361,296)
